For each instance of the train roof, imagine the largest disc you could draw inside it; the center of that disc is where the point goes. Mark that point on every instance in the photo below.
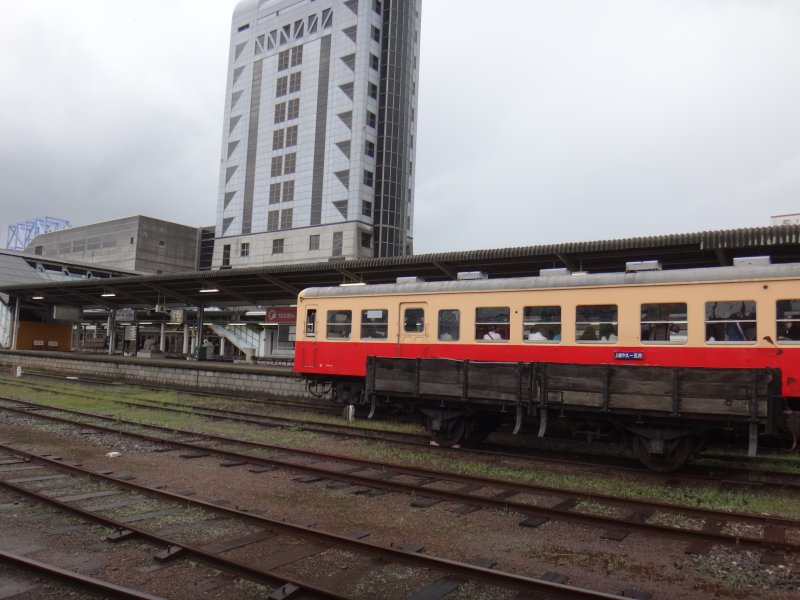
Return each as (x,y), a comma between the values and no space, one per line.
(566,280)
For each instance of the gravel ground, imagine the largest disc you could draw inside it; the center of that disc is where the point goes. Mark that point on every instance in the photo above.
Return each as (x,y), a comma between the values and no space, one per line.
(657,567)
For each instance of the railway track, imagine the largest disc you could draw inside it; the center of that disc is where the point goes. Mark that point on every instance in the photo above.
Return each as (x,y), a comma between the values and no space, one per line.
(728,477)
(276,567)
(613,517)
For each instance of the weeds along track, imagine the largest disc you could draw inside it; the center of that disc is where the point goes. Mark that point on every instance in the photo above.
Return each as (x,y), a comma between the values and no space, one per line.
(614,517)
(730,473)
(137,511)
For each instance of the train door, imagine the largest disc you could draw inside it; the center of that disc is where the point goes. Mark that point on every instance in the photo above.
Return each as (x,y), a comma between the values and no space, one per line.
(309,322)
(412,329)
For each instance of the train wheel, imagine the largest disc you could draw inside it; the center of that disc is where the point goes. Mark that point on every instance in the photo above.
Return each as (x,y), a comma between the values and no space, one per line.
(481,425)
(676,453)
(450,433)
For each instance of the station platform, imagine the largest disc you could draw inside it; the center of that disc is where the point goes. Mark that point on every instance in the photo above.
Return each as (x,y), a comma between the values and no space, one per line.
(272,380)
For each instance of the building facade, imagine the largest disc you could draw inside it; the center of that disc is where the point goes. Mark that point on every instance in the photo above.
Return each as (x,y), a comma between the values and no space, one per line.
(318,152)
(140,244)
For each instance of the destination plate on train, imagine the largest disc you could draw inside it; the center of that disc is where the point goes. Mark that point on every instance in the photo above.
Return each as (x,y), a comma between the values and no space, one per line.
(628,355)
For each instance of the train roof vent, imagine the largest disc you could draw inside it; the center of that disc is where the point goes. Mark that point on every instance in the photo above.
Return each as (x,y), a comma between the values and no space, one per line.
(554,272)
(642,265)
(412,279)
(471,275)
(751,261)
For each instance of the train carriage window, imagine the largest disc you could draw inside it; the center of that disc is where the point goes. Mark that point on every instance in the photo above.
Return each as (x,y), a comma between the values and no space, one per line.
(374,324)
(449,325)
(788,320)
(596,323)
(541,324)
(492,323)
(340,323)
(311,322)
(731,322)
(664,323)
(414,320)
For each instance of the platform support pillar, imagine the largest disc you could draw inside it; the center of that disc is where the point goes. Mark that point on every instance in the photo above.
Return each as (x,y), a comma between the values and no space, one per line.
(222,346)
(112,330)
(15,323)
(162,342)
(186,338)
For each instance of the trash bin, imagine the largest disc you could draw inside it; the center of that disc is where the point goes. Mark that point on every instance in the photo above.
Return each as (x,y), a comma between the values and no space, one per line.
(201,352)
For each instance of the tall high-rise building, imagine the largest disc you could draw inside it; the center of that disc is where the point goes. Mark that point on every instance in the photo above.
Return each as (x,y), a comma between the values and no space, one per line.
(318,143)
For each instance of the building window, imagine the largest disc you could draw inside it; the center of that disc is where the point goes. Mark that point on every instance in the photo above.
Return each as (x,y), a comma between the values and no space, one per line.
(733,321)
(288,191)
(370,151)
(596,323)
(226,255)
(281,86)
(366,208)
(664,323)
(274,193)
(449,325)
(374,62)
(291,136)
(277,246)
(294,109)
(283,60)
(371,119)
(286,218)
(376,6)
(294,83)
(338,242)
(541,324)
(327,18)
(280,112)
(277,165)
(277,139)
(297,55)
(492,323)
(272,220)
(244,249)
(368,178)
(366,240)
(38,249)
(376,34)
(373,91)
(313,242)
(374,324)
(289,163)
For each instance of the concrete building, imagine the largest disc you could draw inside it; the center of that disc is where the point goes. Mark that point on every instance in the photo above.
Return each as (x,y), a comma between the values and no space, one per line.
(318,141)
(139,243)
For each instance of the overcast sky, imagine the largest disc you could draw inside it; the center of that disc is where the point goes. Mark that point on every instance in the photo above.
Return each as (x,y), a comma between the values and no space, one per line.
(540,121)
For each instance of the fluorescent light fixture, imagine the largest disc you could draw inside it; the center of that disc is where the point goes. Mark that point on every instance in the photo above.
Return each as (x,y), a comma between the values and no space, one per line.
(145,322)
(351,284)
(209,291)
(38,298)
(108,295)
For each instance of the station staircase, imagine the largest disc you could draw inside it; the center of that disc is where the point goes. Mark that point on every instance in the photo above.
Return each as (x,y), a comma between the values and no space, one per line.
(244,337)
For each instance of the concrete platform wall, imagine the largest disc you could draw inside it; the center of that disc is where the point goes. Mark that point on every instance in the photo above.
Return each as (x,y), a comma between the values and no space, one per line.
(190,375)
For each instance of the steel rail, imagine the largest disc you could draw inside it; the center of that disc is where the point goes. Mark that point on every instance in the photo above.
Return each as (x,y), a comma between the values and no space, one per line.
(472,572)
(464,498)
(110,590)
(557,457)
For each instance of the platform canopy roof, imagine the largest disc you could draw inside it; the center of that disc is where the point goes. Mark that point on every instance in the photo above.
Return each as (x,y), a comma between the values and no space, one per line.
(266,285)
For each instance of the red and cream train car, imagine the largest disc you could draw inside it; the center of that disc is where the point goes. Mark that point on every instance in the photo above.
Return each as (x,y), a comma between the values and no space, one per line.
(665,355)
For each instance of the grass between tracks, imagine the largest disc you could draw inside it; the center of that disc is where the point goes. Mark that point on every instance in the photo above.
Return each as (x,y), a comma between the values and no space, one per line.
(106,401)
